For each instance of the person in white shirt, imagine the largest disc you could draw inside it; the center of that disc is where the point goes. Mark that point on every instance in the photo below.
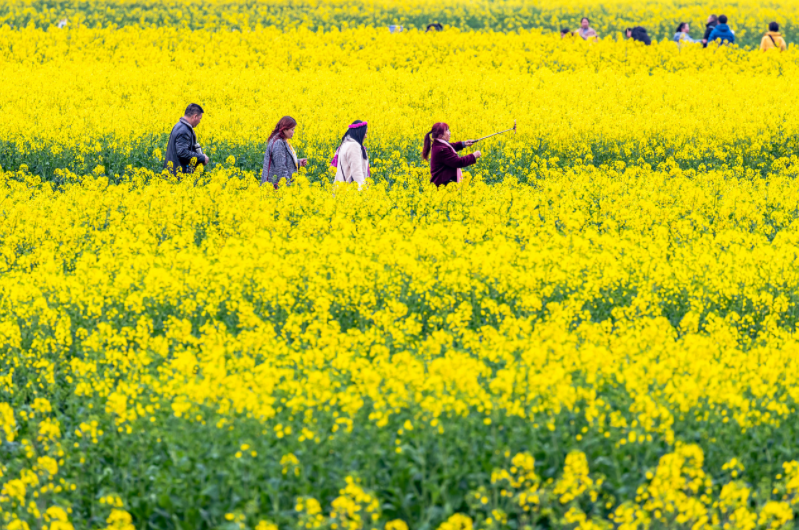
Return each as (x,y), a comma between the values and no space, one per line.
(681,35)
(351,156)
(586,31)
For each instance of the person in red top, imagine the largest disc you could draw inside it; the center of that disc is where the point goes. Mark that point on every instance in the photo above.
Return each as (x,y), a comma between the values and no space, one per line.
(445,164)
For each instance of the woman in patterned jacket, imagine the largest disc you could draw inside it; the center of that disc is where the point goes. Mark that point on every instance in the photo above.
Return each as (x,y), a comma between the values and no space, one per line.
(280,160)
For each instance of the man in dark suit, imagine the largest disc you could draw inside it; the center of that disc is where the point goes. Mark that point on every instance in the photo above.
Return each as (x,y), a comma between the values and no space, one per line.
(183,146)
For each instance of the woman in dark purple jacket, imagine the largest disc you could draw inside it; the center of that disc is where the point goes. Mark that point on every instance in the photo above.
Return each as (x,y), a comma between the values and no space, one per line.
(445,164)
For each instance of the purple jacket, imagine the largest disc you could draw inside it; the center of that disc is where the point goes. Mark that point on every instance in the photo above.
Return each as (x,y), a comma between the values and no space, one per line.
(444,162)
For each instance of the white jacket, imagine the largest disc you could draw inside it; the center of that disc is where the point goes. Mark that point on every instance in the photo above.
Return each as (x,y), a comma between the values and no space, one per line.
(351,163)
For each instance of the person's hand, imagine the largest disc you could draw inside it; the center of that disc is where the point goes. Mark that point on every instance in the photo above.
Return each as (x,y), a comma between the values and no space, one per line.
(303,162)
(469,142)
(206,159)
(478,154)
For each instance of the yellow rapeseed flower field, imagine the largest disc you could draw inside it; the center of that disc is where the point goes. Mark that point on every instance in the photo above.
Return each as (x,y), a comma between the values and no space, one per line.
(749,18)
(86,98)
(209,347)
(595,329)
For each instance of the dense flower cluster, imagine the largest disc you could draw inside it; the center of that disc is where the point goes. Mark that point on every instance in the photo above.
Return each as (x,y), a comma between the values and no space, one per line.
(749,17)
(594,330)
(604,347)
(84,98)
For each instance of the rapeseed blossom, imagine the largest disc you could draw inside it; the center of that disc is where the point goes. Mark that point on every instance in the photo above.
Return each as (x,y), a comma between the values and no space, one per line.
(749,18)
(576,103)
(599,313)
(595,329)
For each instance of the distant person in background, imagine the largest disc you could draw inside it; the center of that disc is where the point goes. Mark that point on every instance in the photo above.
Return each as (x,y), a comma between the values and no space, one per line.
(638,34)
(445,164)
(722,32)
(352,161)
(566,32)
(712,22)
(280,160)
(772,39)
(435,26)
(586,31)
(182,146)
(682,33)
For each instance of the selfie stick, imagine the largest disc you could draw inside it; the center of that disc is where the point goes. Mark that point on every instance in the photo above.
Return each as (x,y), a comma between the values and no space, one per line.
(500,132)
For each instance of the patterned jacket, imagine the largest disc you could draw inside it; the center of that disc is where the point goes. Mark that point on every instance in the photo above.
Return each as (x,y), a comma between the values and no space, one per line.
(279,162)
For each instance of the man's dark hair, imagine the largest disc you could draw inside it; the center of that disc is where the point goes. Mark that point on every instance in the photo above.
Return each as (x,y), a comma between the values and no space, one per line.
(564,31)
(773,26)
(193,110)
(584,18)
(722,19)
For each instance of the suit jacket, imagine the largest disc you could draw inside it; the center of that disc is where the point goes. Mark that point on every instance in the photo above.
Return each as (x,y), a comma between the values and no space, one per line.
(444,162)
(181,148)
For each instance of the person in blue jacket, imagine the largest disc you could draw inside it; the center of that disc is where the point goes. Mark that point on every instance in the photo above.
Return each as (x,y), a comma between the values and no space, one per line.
(722,31)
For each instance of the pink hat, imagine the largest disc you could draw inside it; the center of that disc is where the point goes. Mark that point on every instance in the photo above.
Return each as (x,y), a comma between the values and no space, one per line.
(359,124)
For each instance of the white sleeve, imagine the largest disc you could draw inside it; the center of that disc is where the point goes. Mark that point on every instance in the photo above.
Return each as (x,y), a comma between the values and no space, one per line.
(356,164)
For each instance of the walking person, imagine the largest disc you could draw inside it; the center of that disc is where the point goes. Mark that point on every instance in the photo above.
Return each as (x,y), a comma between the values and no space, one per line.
(712,22)
(280,160)
(352,160)
(682,33)
(586,31)
(183,153)
(445,164)
(722,32)
(772,39)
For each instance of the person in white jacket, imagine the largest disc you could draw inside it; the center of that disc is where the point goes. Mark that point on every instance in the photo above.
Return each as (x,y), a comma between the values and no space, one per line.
(352,159)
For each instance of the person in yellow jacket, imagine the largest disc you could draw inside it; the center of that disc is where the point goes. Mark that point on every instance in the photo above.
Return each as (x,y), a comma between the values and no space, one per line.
(773,39)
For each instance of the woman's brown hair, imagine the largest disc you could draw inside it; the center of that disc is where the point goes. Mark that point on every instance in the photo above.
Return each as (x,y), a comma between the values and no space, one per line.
(437,131)
(285,123)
